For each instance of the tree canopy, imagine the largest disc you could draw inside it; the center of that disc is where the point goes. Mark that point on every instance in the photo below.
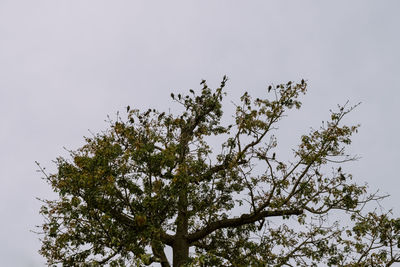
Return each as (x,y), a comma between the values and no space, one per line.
(152,184)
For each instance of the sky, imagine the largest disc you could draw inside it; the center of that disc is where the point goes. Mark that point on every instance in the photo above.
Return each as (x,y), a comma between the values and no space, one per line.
(67,64)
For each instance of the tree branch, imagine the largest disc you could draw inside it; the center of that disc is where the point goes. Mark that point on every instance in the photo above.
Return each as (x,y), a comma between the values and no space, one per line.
(158,252)
(236,222)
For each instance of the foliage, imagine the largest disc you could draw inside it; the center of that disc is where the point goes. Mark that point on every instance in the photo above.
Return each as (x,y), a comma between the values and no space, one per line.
(154,181)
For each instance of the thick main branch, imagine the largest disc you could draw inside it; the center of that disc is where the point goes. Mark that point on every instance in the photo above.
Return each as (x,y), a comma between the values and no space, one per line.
(236,222)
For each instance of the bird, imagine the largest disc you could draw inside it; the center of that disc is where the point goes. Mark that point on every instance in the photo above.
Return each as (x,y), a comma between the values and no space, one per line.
(161,115)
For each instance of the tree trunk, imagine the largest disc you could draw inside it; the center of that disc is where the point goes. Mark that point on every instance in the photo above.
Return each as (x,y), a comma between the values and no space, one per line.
(180,248)
(180,252)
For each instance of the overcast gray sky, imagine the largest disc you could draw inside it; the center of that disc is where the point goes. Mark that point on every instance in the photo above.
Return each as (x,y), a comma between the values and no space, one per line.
(66,64)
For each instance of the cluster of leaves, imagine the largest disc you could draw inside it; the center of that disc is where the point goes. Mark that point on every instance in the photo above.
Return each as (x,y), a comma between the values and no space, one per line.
(154,181)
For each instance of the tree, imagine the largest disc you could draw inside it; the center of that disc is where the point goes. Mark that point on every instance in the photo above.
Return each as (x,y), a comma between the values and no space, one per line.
(153,181)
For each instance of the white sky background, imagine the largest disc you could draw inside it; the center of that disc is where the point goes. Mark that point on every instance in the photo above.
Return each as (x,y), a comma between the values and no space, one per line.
(66,65)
